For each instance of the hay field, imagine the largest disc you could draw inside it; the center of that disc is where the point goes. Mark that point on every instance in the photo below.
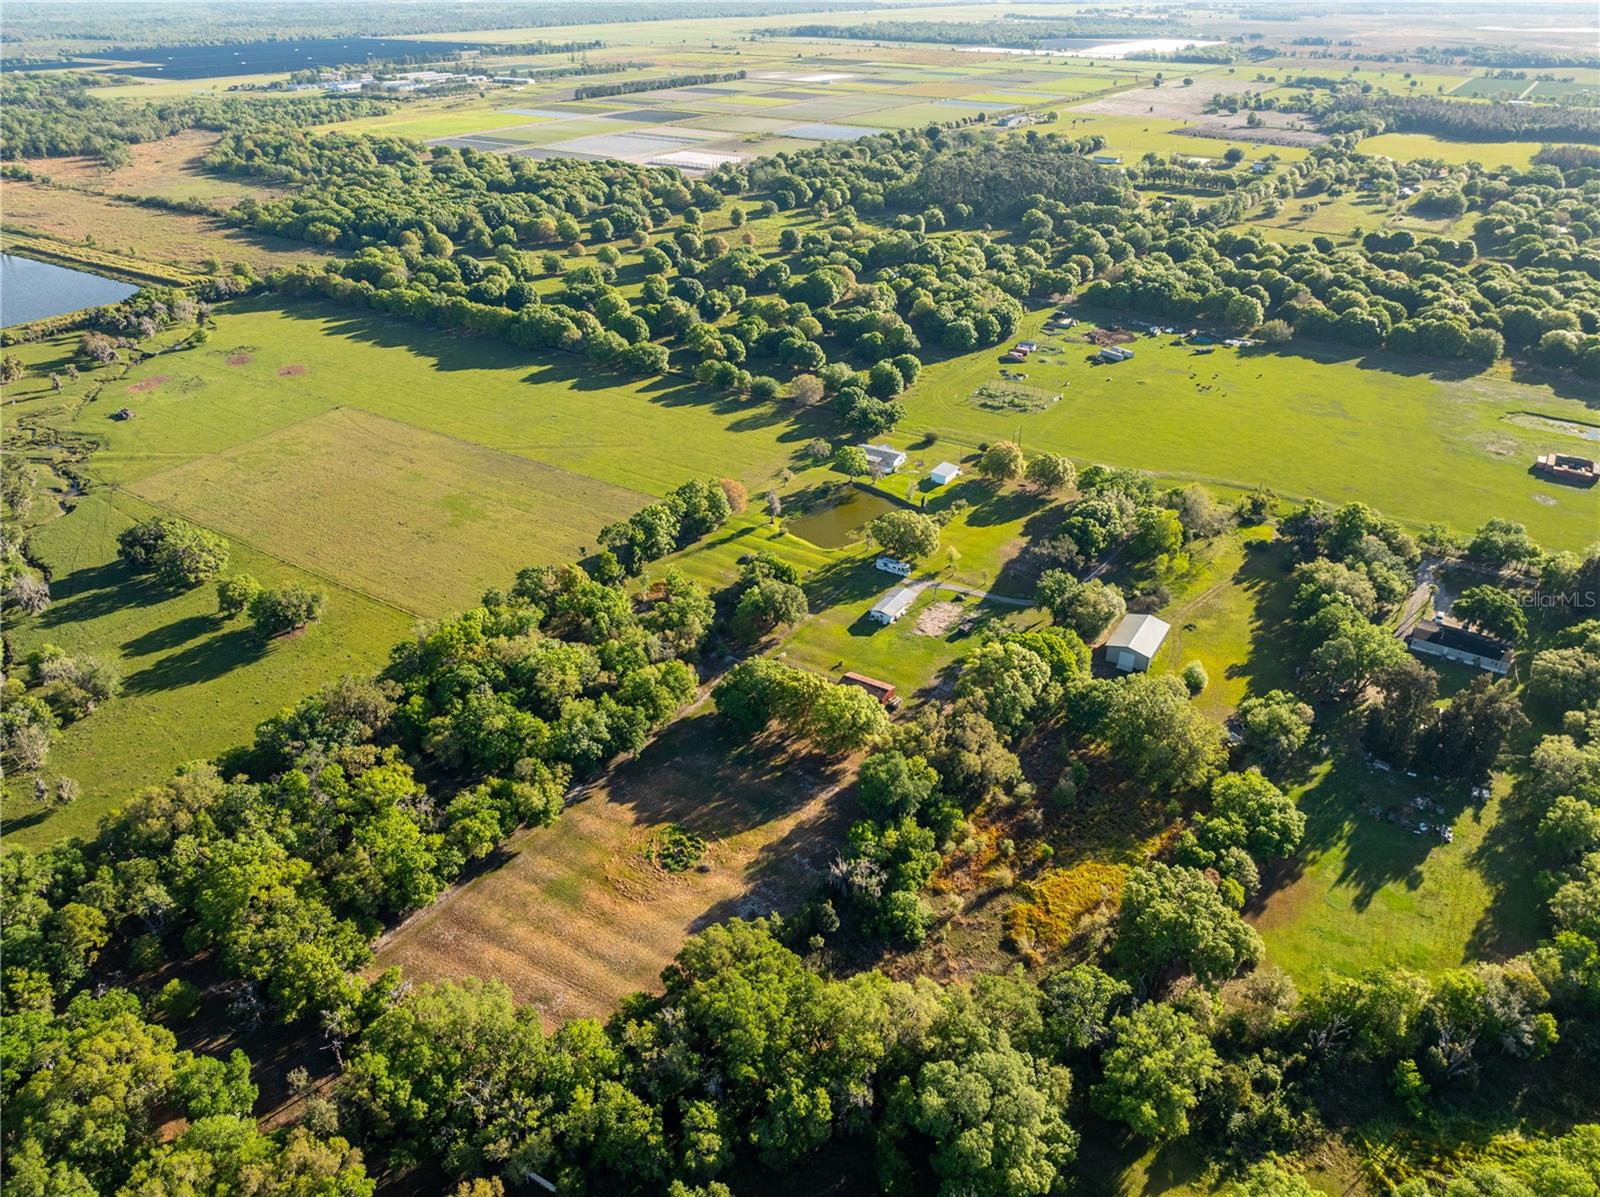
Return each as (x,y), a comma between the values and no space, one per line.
(574,917)
(423,521)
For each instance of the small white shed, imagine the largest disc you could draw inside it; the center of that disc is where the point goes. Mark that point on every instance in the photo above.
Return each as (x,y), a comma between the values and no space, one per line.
(1135,642)
(945,473)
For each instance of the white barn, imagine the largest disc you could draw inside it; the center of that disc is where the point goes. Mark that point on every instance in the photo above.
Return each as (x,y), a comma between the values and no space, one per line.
(1135,642)
(893,605)
(945,473)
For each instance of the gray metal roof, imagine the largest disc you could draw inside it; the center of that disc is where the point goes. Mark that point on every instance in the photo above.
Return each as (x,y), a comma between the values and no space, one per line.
(1142,633)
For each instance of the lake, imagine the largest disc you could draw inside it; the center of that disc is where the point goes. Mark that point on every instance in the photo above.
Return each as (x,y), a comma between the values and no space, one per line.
(32,290)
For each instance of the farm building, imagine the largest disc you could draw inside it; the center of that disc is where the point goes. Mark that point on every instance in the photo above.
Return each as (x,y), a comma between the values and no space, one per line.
(1439,638)
(1135,642)
(893,605)
(945,473)
(882,691)
(1108,160)
(1114,353)
(891,566)
(884,456)
(1559,467)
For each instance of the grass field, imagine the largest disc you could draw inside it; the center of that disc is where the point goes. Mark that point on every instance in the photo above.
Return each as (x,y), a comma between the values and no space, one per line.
(400,469)
(1366,891)
(1409,147)
(574,917)
(194,685)
(447,518)
(1397,433)
(168,168)
(178,238)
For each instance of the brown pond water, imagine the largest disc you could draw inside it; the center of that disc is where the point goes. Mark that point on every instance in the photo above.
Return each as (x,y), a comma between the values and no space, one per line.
(834,526)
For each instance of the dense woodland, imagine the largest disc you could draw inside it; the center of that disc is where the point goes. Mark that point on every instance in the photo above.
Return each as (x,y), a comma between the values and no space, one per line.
(838,302)
(57,114)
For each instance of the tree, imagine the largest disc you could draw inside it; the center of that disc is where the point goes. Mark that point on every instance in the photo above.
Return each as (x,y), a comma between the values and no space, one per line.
(843,719)
(1157,736)
(1001,462)
(235,594)
(766,604)
(1157,533)
(738,498)
(893,786)
(996,1119)
(1243,312)
(285,609)
(1493,610)
(1275,725)
(852,461)
(1502,543)
(1174,917)
(907,535)
(1088,608)
(177,552)
(1475,728)
(1157,1066)
(1012,683)
(1051,472)
(11,368)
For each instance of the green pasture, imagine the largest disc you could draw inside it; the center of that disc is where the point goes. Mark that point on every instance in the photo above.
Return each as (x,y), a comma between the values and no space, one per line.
(1134,136)
(1409,147)
(1366,890)
(1230,613)
(1402,434)
(194,685)
(425,523)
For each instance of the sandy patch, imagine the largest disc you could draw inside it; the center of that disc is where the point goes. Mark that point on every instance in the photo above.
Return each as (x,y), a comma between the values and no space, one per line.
(149,384)
(936,619)
(291,371)
(239,359)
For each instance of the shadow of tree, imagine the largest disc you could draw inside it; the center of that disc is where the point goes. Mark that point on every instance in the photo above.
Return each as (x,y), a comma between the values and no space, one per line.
(171,635)
(202,661)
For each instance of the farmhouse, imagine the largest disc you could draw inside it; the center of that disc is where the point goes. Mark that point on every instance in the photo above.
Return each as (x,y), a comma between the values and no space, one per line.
(1559,467)
(885,457)
(1451,641)
(945,473)
(882,691)
(893,605)
(1135,642)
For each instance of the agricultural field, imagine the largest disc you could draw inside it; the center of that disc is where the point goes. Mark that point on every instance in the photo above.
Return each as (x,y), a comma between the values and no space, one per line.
(1409,147)
(577,916)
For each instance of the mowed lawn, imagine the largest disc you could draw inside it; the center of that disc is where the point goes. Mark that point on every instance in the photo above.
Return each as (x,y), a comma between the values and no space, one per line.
(1393,432)
(576,916)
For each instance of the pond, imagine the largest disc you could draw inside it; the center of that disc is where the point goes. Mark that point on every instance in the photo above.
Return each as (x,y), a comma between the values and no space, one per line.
(32,290)
(834,526)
